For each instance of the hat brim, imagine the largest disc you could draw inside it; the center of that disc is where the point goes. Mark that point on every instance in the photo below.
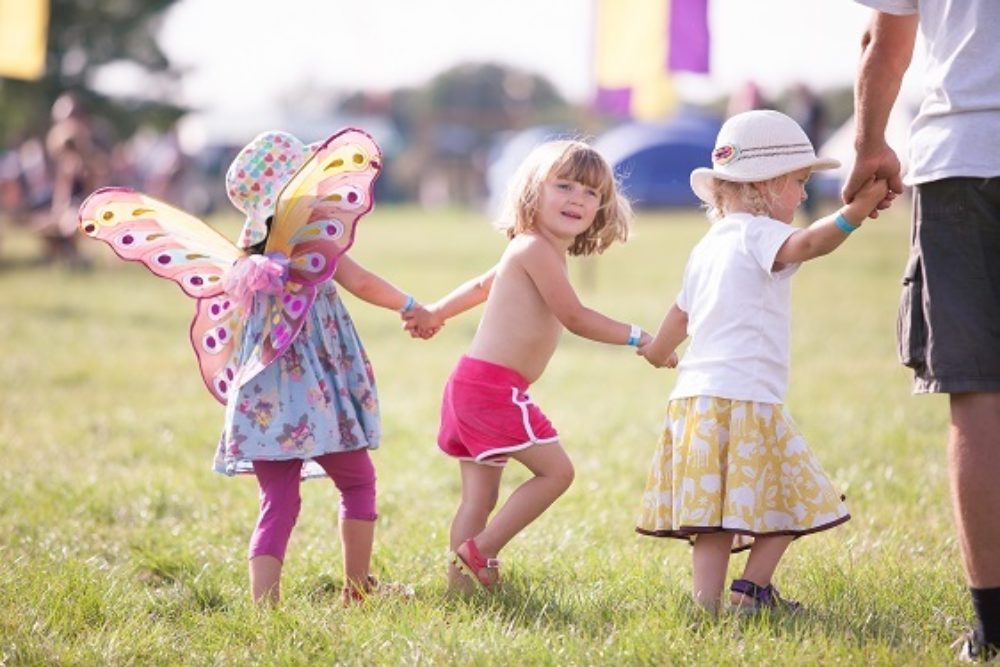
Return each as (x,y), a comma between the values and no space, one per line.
(702,177)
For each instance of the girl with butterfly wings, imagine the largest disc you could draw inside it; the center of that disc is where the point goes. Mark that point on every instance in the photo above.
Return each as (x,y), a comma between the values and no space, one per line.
(273,340)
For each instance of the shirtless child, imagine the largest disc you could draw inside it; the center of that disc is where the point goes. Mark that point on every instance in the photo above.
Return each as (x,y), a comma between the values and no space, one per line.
(563,201)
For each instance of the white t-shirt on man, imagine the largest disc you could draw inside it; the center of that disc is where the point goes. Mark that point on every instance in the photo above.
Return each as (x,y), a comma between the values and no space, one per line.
(738,312)
(957,131)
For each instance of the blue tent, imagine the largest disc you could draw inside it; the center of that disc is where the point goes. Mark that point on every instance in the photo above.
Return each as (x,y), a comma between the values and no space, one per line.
(654,160)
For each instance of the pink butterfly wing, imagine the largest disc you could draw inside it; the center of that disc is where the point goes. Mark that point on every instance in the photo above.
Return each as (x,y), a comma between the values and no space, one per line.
(169,242)
(316,215)
(318,210)
(215,335)
(286,316)
(177,246)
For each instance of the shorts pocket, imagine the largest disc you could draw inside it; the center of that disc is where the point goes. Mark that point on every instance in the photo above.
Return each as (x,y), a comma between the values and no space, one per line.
(911,329)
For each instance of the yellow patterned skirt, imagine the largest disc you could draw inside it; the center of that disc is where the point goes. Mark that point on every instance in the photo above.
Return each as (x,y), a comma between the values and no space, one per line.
(739,467)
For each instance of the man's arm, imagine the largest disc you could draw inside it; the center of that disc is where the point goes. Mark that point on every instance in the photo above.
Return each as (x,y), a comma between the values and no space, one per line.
(886,50)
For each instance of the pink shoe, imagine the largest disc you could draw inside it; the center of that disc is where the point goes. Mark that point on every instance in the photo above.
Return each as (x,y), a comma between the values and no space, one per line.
(475,564)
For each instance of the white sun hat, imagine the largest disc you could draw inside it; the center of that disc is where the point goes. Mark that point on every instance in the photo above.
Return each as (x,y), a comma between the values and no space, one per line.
(756,146)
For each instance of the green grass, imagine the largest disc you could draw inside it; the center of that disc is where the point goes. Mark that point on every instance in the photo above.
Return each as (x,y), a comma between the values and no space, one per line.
(120,546)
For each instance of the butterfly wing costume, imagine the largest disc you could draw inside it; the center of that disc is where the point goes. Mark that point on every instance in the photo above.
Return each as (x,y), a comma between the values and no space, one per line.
(305,200)
(258,303)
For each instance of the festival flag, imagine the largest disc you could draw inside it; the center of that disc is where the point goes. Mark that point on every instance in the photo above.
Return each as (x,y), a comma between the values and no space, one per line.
(24,27)
(639,43)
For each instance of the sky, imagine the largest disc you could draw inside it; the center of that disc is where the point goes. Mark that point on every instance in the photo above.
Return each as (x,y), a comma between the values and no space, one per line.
(241,58)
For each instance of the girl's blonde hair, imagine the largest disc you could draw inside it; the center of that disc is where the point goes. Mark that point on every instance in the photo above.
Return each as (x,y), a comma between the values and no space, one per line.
(756,197)
(574,161)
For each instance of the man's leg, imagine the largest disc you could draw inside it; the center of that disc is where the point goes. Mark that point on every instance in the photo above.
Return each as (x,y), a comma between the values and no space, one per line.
(974,464)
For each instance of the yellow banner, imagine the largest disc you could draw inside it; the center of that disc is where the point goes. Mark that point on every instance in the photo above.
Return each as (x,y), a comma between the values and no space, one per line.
(24,27)
(631,53)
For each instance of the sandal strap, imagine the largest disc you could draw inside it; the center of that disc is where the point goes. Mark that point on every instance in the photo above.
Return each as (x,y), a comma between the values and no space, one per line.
(750,589)
(477,560)
(767,596)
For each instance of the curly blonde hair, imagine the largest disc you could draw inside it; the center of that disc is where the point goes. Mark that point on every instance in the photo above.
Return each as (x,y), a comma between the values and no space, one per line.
(575,161)
(756,197)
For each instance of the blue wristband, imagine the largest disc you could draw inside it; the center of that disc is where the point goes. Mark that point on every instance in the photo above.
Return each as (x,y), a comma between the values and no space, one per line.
(844,225)
(410,303)
(634,335)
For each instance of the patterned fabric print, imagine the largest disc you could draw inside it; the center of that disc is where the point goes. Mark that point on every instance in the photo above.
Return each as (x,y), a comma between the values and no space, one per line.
(256,177)
(319,397)
(736,466)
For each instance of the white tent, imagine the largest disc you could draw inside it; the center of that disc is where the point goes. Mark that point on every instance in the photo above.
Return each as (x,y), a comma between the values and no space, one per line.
(840,146)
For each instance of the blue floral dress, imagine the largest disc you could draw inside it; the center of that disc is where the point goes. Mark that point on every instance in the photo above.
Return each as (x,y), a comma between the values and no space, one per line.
(319,397)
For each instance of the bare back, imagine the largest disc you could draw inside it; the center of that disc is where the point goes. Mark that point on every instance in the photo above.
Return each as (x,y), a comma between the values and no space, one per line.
(518,329)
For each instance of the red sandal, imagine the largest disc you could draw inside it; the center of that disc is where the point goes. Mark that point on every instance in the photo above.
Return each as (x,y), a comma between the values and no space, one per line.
(475,564)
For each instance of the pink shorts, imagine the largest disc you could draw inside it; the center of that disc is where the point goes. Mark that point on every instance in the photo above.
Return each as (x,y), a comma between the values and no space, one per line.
(486,414)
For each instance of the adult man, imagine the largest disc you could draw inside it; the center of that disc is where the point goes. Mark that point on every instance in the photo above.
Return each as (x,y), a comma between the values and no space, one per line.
(949,322)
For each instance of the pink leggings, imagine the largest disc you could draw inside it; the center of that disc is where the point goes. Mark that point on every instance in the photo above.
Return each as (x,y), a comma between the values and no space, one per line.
(353,474)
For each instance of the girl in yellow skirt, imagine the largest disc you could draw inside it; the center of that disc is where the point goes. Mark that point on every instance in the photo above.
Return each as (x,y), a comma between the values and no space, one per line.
(732,470)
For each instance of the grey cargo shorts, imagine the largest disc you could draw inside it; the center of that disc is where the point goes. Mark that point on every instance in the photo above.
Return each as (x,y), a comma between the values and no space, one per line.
(949,314)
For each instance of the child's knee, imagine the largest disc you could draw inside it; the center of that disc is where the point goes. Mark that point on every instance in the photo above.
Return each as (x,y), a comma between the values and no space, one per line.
(490,499)
(358,502)
(481,501)
(280,502)
(563,474)
(356,483)
(274,527)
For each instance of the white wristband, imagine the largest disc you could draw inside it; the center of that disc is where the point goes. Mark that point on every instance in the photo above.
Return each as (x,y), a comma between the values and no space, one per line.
(634,335)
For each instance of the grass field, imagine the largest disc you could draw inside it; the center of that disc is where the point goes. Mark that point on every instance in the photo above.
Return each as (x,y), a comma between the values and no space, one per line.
(120,546)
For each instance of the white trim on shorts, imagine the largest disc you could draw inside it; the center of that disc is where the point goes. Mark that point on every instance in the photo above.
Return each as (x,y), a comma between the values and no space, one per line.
(483,458)
(526,422)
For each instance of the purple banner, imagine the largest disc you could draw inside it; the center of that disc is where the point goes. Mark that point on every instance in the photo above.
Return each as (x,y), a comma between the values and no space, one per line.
(687,40)
(614,101)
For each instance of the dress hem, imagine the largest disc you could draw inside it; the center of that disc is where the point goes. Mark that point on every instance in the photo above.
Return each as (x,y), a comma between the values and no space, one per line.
(244,466)
(688,532)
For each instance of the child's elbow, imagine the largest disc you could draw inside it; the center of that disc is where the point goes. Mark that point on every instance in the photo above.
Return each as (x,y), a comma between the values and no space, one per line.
(363,286)
(575,321)
(571,324)
(816,249)
(802,251)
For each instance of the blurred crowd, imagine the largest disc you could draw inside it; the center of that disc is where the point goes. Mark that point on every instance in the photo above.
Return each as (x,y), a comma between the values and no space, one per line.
(44,179)
(439,159)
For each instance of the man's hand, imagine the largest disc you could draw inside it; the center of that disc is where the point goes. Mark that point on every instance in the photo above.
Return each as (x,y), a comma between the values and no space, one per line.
(881,163)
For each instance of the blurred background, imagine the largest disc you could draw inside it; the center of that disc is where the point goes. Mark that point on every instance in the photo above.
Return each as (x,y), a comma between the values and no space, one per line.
(159,95)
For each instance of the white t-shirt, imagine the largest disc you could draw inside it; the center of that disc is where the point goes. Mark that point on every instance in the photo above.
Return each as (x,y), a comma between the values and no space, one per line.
(738,312)
(957,131)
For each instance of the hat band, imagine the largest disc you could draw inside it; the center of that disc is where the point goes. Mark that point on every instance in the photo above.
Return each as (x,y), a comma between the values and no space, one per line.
(776,150)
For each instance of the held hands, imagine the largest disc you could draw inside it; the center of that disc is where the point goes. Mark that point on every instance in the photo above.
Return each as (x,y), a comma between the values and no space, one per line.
(656,358)
(872,196)
(661,351)
(421,322)
(881,164)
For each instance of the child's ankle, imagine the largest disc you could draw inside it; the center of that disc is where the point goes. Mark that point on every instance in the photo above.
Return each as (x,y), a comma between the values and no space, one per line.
(484,548)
